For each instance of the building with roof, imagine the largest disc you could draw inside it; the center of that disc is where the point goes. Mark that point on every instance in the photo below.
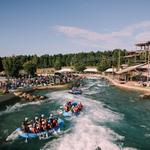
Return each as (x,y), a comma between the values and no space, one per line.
(45,71)
(91,70)
(110,72)
(128,73)
(66,70)
(140,63)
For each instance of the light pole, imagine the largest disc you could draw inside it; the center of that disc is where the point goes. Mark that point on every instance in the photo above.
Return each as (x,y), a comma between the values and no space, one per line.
(119,60)
(148,65)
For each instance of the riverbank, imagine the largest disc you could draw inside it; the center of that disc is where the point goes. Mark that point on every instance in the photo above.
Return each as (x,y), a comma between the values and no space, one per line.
(52,87)
(13,97)
(128,85)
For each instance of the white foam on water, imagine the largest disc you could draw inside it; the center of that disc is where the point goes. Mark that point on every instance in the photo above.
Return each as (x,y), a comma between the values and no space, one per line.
(91,92)
(91,107)
(102,85)
(62,96)
(18,106)
(88,132)
(85,136)
(147,135)
(13,136)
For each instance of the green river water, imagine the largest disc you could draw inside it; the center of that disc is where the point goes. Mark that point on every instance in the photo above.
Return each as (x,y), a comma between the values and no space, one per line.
(112,119)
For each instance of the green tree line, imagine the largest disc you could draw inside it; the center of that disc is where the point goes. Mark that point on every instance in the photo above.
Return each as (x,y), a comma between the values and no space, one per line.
(101,59)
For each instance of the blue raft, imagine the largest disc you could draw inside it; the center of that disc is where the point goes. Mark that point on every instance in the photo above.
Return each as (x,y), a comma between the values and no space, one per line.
(70,113)
(76,92)
(41,134)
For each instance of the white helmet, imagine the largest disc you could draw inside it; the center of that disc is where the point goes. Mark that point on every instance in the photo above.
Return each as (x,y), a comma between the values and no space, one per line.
(51,115)
(26,119)
(36,118)
(42,115)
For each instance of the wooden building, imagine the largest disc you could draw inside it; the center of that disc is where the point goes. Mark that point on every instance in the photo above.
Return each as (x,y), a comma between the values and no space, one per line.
(145,47)
(128,73)
(45,71)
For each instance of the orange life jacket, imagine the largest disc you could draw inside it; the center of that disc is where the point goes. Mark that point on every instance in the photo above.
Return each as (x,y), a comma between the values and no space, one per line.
(75,109)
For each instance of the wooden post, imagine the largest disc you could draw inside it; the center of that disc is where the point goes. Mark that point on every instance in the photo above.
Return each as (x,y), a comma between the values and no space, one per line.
(119,60)
(148,66)
(145,54)
(135,59)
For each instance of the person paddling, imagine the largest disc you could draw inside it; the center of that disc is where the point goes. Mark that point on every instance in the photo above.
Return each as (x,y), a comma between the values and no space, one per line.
(42,122)
(25,125)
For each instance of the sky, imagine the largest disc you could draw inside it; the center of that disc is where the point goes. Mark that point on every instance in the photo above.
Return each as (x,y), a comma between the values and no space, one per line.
(70,26)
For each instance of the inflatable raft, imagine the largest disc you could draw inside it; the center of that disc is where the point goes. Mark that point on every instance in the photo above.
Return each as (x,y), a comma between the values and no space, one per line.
(76,92)
(71,113)
(41,135)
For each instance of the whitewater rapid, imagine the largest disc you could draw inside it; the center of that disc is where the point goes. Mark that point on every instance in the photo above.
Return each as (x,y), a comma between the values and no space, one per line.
(89,130)
(18,106)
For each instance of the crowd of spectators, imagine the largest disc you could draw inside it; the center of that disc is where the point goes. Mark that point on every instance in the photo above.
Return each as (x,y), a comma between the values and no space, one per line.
(28,82)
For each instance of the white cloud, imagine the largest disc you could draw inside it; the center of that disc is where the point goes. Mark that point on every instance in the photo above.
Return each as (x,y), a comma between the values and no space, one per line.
(76,32)
(144,36)
(107,40)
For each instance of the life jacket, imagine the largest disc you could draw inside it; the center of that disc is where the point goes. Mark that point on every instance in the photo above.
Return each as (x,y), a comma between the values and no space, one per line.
(37,129)
(75,109)
(33,130)
(80,106)
(66,107)
(49,126)
(45,127)
(54,123)
(43,122)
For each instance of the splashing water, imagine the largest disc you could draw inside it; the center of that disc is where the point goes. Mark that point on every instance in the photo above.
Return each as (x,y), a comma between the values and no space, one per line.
(108,120)
(87,133)
(17,107)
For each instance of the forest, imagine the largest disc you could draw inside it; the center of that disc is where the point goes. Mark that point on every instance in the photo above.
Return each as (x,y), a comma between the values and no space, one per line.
(101,59)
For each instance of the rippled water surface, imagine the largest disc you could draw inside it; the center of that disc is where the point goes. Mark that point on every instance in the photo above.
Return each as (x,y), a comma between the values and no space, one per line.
(112,119)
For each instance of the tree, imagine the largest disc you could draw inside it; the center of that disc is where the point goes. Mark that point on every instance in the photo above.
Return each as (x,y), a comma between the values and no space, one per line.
(1,65)
(34,59)
(79,67)
(30,67)
(57,64)
(103,65)
(11,66)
